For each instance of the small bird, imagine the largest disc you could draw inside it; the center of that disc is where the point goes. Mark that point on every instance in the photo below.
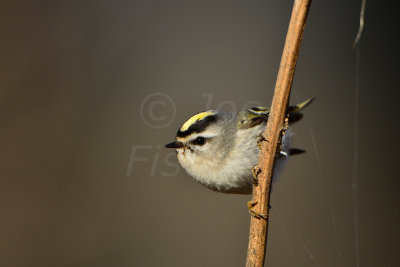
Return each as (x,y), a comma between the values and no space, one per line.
(219,149)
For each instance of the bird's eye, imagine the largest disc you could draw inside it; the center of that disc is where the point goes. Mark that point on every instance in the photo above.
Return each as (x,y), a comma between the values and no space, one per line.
(199,141)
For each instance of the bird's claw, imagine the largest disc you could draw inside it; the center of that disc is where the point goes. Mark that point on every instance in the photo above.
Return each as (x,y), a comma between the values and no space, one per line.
(261,138)
(255,214)
(256,171)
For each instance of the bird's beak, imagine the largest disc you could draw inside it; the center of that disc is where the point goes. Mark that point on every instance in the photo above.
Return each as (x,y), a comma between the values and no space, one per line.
(175,144)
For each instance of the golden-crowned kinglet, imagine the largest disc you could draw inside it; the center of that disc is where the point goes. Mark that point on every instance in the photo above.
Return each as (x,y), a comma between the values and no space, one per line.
(219,149)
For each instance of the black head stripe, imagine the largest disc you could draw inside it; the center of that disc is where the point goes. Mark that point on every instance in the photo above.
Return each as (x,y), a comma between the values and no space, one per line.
(198,127)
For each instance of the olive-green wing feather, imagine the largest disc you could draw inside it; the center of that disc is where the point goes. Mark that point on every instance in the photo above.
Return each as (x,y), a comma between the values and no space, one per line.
(254,116)
(251,117)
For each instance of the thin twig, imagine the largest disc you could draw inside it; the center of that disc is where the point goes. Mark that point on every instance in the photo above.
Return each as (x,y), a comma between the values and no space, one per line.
(261,192)
(361,27)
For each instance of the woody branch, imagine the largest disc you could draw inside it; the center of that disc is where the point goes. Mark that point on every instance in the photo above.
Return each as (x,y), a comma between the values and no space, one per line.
(273,131)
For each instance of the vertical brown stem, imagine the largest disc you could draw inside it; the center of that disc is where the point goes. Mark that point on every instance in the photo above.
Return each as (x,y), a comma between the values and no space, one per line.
(261,192)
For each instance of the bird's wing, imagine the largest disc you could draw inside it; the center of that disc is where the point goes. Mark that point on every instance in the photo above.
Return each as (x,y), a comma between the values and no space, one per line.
(254,116)
(251,117)
(294,111)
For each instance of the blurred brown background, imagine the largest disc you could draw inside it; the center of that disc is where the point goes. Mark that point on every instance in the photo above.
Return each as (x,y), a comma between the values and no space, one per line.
(90,91)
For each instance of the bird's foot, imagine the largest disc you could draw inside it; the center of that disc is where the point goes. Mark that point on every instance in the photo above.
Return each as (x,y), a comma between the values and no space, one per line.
(256,171)
(255,214)
(261,138)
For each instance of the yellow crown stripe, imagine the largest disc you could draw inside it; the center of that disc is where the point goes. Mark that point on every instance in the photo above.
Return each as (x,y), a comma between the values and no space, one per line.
(195,118)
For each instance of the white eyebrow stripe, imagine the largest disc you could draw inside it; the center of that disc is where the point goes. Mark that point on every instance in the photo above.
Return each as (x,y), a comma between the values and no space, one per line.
(204,134)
